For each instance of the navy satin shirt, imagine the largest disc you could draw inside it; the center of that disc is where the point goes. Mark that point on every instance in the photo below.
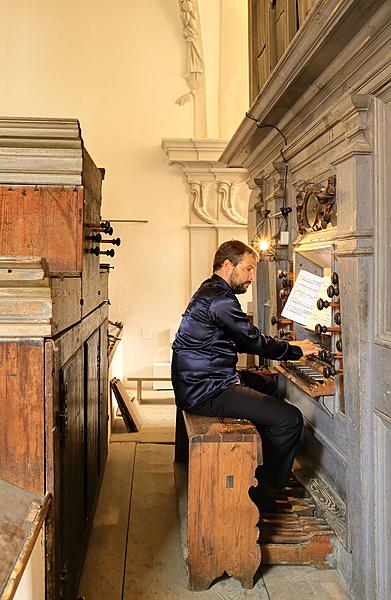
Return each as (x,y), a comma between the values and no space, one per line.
(213,329)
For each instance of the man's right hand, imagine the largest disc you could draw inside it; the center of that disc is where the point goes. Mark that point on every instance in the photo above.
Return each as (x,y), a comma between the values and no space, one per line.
(307,347)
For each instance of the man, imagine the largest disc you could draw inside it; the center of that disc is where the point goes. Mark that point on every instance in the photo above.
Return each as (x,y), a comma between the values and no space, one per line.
(213,329)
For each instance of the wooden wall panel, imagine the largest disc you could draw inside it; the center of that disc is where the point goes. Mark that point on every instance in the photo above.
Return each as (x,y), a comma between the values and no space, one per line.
(43,221)
(22,414)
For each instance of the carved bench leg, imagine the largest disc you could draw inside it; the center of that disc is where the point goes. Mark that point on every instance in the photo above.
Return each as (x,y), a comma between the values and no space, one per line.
(222,519)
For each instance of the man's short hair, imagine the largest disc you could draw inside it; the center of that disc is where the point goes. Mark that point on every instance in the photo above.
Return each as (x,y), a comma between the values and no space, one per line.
(234,250)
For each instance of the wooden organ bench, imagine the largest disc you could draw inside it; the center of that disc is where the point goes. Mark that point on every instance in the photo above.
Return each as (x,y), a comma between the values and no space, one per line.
(222,521)
(219,521)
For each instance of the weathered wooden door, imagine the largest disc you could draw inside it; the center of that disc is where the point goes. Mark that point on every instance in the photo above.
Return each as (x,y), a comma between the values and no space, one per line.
(103,394)
(91,434)
(73,522)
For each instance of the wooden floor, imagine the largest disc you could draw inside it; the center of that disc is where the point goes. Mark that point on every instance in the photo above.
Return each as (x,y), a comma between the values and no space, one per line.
(135,550)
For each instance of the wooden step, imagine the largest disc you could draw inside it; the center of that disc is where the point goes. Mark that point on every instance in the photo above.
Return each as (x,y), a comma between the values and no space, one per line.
(292,534)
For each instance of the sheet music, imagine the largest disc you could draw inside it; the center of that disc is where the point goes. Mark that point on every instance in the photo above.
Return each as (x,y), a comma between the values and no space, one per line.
(301,304)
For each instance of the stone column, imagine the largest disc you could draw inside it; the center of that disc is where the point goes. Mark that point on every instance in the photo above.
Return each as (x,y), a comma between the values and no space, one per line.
(354,256)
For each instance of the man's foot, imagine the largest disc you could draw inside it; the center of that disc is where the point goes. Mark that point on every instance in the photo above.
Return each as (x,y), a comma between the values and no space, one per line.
(262,499)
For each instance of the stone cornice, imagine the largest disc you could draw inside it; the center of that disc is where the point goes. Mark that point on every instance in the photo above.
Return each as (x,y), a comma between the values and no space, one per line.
(324,34)
(40,151)
(193,152)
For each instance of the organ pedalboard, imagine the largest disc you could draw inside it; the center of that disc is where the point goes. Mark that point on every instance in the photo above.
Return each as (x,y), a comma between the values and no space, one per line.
(315,375)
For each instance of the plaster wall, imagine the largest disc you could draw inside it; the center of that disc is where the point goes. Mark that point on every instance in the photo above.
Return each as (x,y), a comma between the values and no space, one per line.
(118,72)
(119,68)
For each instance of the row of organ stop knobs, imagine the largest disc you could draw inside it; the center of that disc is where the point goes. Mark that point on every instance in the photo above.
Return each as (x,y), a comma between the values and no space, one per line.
(105,228)
(332,293)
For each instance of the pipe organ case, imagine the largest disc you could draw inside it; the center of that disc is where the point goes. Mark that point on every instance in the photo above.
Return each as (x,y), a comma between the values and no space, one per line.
(318,140)
(53,333)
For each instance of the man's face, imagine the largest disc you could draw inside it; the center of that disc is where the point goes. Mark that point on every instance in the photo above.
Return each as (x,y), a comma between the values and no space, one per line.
(243,274)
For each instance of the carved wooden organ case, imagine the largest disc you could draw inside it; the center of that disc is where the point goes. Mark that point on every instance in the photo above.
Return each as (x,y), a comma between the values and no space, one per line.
(53,333)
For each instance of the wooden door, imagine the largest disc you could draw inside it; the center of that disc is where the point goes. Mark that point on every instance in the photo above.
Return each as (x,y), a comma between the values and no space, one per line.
(73,522)
(103,394)
(91,434)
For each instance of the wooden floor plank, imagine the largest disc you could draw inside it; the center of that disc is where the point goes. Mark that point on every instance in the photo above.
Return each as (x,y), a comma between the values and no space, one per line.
(103,570)
(302,583)
(158,426)
(155,568)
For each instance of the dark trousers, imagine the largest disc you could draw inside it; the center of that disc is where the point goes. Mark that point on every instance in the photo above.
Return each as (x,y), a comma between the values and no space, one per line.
(279,423)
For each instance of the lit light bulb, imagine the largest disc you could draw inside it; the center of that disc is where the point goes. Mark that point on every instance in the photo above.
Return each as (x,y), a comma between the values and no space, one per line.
(263,245)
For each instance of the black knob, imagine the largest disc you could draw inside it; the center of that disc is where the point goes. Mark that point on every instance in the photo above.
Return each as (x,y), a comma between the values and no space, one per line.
(282,333)
(337,318)
(319,329)
(329,371)
(334,278)
(325,355)
(332,291)
(115,242)
(95,238)
(286,283)
(105,226)
(281,274)
(274,320)
(338,345)
(321,304)
(97,251)
(109,253)
(284,293)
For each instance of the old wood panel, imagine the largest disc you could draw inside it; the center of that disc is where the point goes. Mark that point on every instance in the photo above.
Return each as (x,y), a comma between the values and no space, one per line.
(73,517)
(66,295)
(21,517)
(22,414)
(43,221)
(91,409)
(90,279)
(92,177)
(285,25)
(103,395)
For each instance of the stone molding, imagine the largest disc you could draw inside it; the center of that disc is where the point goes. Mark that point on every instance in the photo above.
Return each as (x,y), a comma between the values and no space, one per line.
(218,195)
(40,151)
(291,78)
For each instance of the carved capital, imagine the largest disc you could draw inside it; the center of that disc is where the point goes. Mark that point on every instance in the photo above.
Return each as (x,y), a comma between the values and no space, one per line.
(197,192)
(355,123)
(228,198)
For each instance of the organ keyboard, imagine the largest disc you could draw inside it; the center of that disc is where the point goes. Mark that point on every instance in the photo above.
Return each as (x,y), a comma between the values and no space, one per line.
(307,374)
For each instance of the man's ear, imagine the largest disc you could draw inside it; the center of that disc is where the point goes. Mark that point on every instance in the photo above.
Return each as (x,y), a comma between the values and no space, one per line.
(227,265)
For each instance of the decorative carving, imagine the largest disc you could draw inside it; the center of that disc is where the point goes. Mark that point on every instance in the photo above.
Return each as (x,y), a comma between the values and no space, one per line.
(228,193)
(315,205)
(194,65)
(199,205)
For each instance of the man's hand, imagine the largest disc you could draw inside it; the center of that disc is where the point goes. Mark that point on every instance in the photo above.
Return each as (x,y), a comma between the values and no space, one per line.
(307,347)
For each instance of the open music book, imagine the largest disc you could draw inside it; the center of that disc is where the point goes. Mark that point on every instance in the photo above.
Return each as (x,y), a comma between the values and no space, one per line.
(301,304)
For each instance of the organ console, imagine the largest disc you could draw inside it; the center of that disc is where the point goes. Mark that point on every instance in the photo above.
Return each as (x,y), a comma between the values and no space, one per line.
(317,376)
(307,374)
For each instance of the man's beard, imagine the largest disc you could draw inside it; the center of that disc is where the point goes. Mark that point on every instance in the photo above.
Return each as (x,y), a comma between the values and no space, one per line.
(238,287)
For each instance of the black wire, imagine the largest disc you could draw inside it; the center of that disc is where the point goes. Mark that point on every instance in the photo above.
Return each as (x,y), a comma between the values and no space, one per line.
(261,125)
